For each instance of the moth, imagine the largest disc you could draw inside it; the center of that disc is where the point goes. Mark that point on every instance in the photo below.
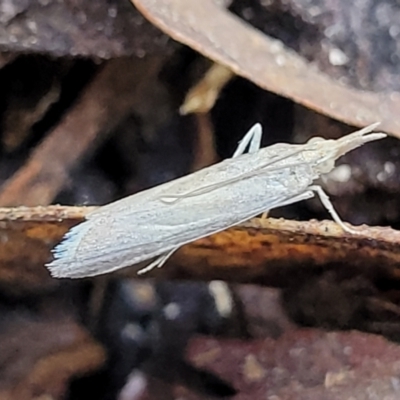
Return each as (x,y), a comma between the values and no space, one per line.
(154,223)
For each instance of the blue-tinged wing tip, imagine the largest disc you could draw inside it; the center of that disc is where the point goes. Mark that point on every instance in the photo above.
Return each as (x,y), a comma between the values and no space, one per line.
(65,253)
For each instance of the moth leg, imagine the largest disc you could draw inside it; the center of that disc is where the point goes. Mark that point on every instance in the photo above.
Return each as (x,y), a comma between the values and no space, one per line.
(158,262)
(253,136)
(329,206)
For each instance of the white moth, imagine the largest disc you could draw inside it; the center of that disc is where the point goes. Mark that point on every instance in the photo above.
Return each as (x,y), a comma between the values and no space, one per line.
(156,222)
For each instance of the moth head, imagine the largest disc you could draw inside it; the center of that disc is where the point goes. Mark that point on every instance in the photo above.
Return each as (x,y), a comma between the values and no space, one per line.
(330,150)
(324,154)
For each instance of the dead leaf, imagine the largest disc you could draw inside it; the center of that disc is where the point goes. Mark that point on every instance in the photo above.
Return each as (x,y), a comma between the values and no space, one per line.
(263,251)
(219,35)
(305,364)
(38,357)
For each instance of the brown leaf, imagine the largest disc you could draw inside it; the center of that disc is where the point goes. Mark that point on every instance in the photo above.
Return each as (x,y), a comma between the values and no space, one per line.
(27,236)
(38,356)
(224,38)
(304,364)
(270,251)
(263,251)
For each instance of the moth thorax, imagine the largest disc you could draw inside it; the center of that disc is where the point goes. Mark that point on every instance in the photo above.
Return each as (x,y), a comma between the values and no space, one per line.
(326,166)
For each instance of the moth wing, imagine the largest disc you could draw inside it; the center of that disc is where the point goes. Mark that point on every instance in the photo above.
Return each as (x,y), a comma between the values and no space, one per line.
(214,177)
(104,244)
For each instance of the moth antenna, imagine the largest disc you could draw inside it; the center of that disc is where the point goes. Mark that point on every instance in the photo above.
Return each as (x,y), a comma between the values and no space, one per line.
(357,139)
